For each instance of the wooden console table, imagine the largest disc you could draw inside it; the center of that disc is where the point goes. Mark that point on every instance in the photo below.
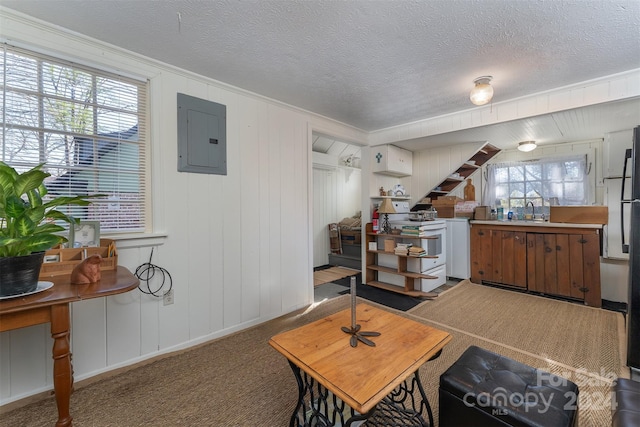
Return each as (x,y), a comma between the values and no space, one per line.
(52,306)
(372,381)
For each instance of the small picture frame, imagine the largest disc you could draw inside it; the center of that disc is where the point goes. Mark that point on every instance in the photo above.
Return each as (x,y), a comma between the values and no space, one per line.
(85,234)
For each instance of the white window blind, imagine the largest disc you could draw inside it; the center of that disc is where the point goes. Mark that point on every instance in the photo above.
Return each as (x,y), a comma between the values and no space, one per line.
(87,126)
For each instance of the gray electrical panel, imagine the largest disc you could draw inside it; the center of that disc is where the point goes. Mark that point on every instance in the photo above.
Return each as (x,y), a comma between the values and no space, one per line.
(202,136)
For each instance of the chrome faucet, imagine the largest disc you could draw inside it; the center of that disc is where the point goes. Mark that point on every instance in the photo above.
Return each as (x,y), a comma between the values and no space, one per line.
(533,209)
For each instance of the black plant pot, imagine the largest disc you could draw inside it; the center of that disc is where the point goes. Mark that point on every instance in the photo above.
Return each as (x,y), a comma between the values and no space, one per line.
(19,275)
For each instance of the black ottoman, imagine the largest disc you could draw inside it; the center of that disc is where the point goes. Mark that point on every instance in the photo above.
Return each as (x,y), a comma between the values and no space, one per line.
(625,408)
(486,389)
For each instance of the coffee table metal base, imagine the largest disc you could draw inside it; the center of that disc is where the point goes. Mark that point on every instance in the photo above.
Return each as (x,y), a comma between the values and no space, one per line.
(317,406)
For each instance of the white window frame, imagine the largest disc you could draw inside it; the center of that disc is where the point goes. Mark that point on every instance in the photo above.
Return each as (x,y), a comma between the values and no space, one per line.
(134,165)
(541,201)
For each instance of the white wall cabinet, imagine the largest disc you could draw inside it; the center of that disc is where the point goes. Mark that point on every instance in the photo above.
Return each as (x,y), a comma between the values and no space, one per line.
(391,160)
(458,261)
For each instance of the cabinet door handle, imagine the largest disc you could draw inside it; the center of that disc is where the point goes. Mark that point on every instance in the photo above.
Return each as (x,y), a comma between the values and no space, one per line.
(548,249)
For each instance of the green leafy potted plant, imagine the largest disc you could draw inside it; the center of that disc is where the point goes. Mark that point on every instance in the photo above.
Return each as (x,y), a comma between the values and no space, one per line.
(27,226)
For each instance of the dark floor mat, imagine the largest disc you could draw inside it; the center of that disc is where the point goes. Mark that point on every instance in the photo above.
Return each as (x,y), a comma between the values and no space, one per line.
(377,295)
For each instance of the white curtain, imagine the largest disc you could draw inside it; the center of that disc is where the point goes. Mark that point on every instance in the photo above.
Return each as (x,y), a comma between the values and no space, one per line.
(561,177)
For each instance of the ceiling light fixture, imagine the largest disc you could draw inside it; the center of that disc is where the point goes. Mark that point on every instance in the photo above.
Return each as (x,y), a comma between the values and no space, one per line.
(527,146)
(483,91)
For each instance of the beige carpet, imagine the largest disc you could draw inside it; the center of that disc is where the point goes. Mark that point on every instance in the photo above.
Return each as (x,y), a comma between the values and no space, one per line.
(572,334)
(330,274)
(583,344)
(240,380)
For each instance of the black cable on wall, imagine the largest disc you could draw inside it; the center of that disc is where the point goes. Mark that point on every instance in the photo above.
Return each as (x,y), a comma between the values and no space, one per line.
(148,271)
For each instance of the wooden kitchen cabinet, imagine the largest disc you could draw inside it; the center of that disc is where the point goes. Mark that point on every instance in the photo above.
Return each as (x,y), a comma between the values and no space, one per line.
(498,256)
(559,260)
(566,265)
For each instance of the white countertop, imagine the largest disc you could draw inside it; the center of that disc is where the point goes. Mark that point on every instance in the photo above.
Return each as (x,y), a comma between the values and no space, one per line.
(535,223)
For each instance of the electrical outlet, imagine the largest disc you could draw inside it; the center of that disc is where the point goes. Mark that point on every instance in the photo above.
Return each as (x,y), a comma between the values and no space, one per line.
(167,298)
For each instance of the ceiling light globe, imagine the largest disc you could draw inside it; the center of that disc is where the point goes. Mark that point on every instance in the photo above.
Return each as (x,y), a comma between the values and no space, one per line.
(482,93)
(527,146)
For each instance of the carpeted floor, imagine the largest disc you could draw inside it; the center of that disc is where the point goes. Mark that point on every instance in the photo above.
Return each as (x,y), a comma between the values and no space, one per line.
(239,380)
(566,337)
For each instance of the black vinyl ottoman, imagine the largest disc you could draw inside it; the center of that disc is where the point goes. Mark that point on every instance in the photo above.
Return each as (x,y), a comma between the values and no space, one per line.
(486,389)
(625,409)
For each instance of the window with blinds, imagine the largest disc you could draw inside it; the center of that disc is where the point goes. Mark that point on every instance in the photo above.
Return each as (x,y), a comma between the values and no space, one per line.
(87,126)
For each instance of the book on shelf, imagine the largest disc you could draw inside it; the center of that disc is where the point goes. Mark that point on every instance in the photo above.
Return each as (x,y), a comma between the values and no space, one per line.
(418,234)
(418,252)
(404,244)
(415,227)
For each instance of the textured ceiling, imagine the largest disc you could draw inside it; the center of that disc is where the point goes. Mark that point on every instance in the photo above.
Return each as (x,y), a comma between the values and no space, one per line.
(370,64)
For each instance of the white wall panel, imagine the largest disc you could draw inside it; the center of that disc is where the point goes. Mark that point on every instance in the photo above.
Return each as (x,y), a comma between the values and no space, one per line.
(430,167)
(272,209)
(249,200)
(172,321)
(28,352)
(88,340)
(237,247)
(198,226)
(5,367)
(269,285)
(349,187)
(149,306)
(123,327)
(324,212)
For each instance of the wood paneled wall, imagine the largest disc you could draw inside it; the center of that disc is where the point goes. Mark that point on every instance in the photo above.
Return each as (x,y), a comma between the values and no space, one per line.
(238,247)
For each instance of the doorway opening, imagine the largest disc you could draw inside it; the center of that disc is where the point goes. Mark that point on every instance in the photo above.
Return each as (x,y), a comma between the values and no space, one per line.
(337,188)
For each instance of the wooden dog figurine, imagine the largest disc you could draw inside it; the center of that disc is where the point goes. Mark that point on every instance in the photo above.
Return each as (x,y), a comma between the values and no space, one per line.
(88,271)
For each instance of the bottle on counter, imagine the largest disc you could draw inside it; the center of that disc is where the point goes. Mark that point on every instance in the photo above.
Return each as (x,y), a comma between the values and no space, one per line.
(500,213)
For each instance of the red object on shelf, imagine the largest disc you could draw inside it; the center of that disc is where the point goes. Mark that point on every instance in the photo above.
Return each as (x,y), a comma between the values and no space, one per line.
(374,221)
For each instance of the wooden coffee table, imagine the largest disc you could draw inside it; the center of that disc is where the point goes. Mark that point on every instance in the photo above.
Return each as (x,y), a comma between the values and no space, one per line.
(377,383)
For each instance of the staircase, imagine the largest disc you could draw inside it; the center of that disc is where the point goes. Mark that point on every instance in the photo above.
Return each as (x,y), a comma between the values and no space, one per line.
(457,177)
